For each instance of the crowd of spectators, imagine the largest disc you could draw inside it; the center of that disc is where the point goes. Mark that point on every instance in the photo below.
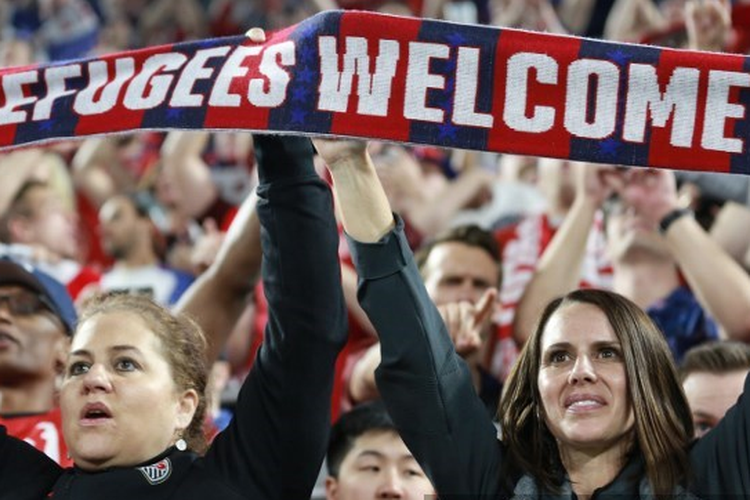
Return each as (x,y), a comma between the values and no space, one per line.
(149,212)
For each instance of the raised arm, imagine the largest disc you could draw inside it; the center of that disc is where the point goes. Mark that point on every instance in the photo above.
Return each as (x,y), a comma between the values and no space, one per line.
(559,268)
(274,446)
(219,296)
(719,282)
(425,385)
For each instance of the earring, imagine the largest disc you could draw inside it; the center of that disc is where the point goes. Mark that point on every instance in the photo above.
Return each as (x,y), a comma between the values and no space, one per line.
(181,444)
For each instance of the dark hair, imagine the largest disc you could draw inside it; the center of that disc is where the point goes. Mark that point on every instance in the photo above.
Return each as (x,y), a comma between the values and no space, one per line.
(19,207)
(183,346)
(470,235)
(663,424)
(364,418)
(716,357)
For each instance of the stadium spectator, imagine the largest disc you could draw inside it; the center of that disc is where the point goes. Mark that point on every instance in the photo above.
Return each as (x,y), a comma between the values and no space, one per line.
(581,415)
(128,236)
(713,376)
(367,460)
(37,318)
(461,270)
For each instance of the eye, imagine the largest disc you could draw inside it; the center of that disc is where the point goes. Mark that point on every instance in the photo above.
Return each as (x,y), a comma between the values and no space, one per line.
(702,427)
(609,353)
(414,473)
(78,368)
(370,468)
(557,357)
(125,365)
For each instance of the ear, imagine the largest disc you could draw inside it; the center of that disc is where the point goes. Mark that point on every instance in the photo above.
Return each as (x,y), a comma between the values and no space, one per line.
(62,349)
(186,406)
(20,231)
(332,488)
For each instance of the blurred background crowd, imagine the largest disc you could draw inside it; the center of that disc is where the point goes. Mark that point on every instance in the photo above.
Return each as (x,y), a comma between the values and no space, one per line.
(147,212)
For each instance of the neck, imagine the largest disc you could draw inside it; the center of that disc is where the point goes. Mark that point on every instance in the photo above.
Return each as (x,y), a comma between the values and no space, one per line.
(645,280)
(141,256)
(589,470)
(37,397)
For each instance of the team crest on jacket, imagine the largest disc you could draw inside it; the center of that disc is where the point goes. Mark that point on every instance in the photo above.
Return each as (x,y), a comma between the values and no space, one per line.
(157,473)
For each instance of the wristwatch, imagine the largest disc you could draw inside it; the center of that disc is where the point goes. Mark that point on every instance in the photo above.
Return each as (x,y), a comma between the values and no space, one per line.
(672,216)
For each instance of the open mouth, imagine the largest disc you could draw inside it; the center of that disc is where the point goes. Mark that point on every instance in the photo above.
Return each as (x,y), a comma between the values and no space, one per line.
(95,413)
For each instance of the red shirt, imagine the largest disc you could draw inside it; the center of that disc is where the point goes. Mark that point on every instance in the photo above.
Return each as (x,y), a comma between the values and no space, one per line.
(41,430)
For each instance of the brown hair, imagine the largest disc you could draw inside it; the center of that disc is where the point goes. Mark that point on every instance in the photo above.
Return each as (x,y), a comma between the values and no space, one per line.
(663,425)
(716,357)
(183,346)
(470,235)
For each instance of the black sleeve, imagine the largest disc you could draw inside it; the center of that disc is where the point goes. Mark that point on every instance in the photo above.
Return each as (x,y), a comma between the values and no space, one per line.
(721,458)
(274,446)
(25,472)
(426,386)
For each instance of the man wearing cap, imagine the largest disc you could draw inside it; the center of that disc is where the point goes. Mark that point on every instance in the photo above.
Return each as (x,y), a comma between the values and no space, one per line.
(37,317)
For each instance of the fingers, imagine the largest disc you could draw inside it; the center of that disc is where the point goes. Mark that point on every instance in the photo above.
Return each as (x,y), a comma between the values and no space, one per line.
(460,320)
(257,35)
(485,306)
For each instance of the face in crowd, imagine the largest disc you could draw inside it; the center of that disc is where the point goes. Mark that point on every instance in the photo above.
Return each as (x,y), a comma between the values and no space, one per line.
(710,396)
(379,465)
(33,342)
(713,377)
(130,391)
(582,380)
(596,378)
(455,272)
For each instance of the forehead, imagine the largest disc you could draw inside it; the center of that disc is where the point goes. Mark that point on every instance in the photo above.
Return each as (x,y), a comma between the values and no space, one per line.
(386,443)
(714,389)
(578,324)
(454,257)
(107,329)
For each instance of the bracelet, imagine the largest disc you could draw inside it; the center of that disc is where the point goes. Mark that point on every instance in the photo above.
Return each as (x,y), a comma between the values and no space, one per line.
(672,216)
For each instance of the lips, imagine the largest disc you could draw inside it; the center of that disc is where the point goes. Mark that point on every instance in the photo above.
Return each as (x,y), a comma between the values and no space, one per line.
(6,339)
(95,414)
(583,402)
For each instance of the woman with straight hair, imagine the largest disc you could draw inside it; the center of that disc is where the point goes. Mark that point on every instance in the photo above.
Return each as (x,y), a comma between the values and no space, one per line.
(593,409)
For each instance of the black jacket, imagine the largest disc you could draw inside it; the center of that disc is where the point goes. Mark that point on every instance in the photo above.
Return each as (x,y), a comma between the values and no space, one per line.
(274,446)
(429,394)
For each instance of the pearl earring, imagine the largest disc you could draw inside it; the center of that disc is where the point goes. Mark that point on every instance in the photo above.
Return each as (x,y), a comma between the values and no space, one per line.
(181,444)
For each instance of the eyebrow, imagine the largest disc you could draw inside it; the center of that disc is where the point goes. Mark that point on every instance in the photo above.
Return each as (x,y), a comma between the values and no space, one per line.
(706,416)
(114,348)
(377,454)
(597,345)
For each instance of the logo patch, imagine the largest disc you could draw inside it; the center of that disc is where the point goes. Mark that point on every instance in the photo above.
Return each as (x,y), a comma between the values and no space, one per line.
(157,473)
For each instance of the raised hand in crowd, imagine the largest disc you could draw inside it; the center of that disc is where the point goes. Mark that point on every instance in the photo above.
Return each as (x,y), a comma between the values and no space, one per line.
(709,24)
(467,323)
(559,268)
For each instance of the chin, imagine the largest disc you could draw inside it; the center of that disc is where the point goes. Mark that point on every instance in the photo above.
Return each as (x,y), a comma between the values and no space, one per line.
(93,454)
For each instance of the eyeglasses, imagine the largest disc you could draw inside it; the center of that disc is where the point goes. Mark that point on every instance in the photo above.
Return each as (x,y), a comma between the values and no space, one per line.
(26,303)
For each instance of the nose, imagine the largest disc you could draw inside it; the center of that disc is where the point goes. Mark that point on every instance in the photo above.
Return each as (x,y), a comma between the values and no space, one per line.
(467,292)
(96,379)
(583,371)
(5,313)
(391,485)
